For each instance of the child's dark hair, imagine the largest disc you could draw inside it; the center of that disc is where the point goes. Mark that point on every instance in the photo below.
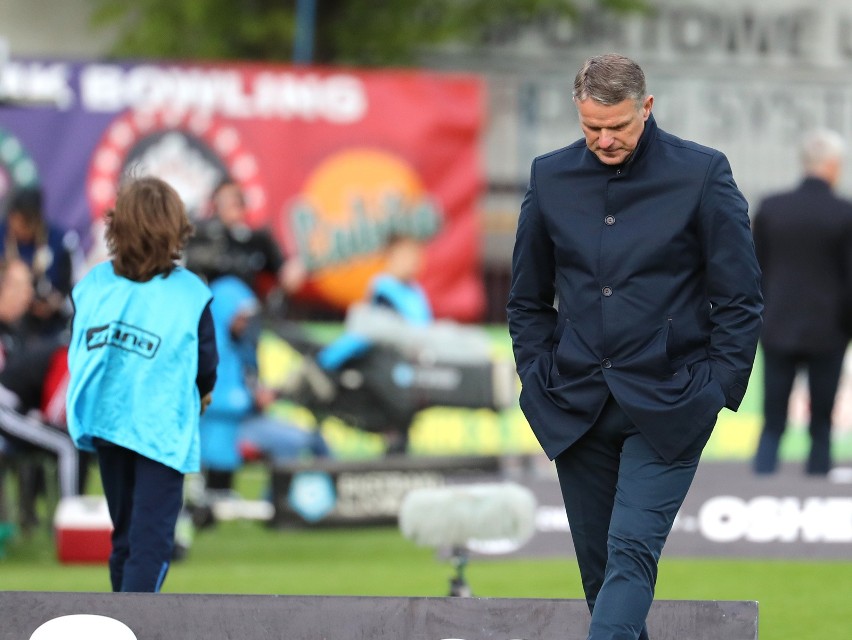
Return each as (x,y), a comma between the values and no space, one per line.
(147,229)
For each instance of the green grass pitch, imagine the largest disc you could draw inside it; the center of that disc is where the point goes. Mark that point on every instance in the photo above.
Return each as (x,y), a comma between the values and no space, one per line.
(797,599)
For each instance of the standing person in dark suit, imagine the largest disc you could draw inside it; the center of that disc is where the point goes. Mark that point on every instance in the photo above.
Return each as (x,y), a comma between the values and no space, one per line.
(634,313)
(803,240)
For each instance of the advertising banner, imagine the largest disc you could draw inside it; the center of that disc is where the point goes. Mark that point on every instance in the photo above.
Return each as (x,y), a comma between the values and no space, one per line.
(332,161)
(729,512)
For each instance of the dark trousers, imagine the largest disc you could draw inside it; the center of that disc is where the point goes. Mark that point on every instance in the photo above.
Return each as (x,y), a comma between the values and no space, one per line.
(621,499)
(144,499)
(779,373)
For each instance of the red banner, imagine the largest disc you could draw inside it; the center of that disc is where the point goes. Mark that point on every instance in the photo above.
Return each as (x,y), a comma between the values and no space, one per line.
(334,161)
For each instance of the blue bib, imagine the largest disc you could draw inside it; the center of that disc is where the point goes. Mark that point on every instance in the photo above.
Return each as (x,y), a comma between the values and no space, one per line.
(133,362)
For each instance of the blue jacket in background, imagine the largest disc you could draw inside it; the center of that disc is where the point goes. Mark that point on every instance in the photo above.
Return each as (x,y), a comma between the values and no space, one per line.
(406,298)
(233,400)
(237,357)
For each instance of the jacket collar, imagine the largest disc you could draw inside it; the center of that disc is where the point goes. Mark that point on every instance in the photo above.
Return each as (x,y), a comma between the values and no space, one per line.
(812,183)
(649,134)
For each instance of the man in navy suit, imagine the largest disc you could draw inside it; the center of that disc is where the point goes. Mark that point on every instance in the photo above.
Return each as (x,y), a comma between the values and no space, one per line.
(803,240)
(635,310)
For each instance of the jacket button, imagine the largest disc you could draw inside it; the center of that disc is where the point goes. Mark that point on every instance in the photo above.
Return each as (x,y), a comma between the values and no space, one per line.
(610,220)
(607,291)
(606,363)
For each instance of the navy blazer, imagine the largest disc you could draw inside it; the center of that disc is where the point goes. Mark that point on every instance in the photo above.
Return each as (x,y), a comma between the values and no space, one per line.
(638,280)
(803,240)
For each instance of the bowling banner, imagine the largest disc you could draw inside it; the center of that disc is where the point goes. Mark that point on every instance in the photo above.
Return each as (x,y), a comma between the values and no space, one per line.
(333,161)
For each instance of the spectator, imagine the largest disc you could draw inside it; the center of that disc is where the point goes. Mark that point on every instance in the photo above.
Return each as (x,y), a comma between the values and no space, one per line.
(803,240)
(143,361)
(398,313)
(24,367)
(236,419)
(224,245)
(395,289)
(26,235)
(16,294)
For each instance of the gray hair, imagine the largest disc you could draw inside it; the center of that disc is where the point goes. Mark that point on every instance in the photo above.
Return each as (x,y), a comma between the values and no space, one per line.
(820,146)
(609,79)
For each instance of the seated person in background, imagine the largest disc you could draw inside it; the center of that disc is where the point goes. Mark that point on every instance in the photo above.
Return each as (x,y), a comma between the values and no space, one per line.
(25,365)
(395,290)
(235,419)
(26,235)
(398,313)
(224,245)
(424,362)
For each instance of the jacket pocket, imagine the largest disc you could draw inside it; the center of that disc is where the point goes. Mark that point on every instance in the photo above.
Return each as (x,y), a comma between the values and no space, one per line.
(659,359)
(565,358)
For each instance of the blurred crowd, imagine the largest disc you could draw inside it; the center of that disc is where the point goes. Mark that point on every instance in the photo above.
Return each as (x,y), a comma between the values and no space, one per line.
(38,267)
(356,376)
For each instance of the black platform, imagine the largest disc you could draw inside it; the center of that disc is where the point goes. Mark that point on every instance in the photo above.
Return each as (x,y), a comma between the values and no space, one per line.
(248,617)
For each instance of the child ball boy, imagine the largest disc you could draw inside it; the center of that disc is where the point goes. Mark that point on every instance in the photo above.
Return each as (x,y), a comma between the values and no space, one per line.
(142,363)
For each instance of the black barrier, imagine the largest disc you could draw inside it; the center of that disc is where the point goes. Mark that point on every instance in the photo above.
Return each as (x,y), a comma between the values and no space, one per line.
(358,492)
(214,617)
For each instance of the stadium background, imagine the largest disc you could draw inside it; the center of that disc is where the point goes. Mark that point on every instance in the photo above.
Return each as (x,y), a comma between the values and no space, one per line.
(744,76)
(747,76)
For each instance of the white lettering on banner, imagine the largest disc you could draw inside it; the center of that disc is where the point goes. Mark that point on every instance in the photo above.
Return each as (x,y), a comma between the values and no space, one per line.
(379,493)
(548,519)
(36,83)
(340,98)
(764,519)
(337,98)
(801,31)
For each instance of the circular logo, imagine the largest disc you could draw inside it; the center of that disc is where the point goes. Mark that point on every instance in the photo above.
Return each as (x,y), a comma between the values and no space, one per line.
(312,495)
(347,209)
(192,152)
